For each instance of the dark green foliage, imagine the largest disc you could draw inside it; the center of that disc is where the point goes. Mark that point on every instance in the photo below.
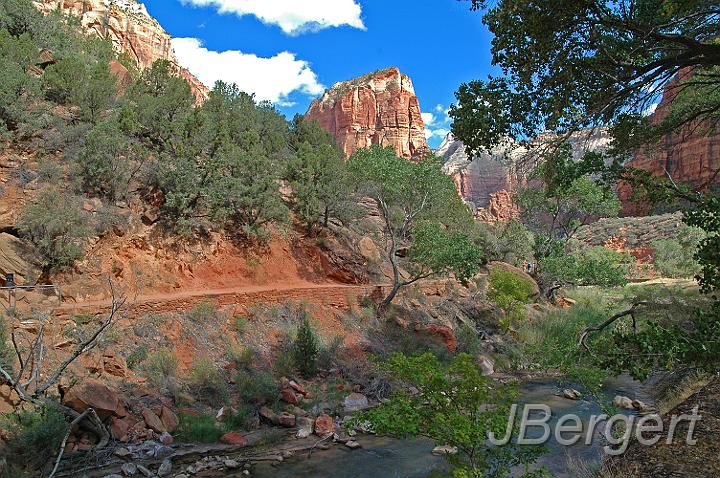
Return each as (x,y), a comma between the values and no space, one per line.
(256,387)
(588,266)
(137,357)
(455,405)
(206,383)
(576,64)
(706,216)
(35,436)
(198,429)
(509,242)
(58,226)
(676,257)
(305,349)
(104,161)
(17,88)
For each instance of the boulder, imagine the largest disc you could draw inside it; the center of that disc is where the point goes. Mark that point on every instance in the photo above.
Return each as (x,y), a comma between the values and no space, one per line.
(267,415)
(289,396)
(324,425)
(169,419)
(119,428)
(14,259)
(129,469)
(166,438)
(296,387)
(623,402)
(165,468)
(305,426)
(234,438)
(355,402)
(486,365)
(92,394)
(572,394)
(445,450)
(152,421)
(352,444)
(287,420)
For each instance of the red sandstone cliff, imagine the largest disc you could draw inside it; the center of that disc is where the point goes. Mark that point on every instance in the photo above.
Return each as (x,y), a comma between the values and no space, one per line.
(691,156)
(380,108)
(130,28)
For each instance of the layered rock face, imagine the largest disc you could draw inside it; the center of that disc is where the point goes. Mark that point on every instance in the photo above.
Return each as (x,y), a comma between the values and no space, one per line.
(376,109)
(131,30)
(487,181)
(691,156)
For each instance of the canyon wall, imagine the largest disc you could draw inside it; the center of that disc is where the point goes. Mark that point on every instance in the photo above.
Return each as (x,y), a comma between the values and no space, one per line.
(690,156)
(131,30)
(487,181)
(380,108)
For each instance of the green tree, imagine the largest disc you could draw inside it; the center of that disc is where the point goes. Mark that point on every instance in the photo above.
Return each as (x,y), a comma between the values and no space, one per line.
(58,227)
(565,200)
(455,405)
(586,266)
(17,88)
(104,161)
(305,349)
(320,184)
(410,194)
(676,257)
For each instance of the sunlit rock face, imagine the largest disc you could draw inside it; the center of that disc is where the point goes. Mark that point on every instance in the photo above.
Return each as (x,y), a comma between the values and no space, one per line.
(690,156)
(380,108)
(131,30)
(487,181)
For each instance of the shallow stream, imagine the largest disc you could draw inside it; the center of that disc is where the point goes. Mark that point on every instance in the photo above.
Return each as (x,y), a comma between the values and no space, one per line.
(382,457)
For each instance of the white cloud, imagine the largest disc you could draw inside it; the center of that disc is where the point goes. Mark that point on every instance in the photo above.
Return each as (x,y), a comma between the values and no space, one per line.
(270,79)
(293,16)
(428,118)
(436,133)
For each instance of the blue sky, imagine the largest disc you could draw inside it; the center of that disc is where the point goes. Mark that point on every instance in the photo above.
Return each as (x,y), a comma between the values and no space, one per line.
(289,51)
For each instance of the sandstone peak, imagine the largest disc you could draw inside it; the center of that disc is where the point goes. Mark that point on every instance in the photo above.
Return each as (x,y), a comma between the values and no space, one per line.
(131,30)
(379,108)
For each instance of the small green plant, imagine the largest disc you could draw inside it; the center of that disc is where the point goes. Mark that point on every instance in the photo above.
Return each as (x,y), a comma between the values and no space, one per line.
(240,323)
(305,349)
(204,311)
(510,293)
(206,383)
(259,388)
(136,357)
(198,429)
(328,354)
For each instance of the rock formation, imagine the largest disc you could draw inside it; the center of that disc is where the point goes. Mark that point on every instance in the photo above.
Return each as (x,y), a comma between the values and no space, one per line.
(131,30)
(691,156)
(487,181)
(380,108)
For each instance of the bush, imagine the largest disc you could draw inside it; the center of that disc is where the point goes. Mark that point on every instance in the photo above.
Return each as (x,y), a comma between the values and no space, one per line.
(7,355)
(58,226)
(160,368)
(305,349)
(198,429)
(103,162)
(205,311)
(510,293)
(206,383)
(675,257)
(35,436)
(138,356)
(589,266)
(256,387)
(329,353)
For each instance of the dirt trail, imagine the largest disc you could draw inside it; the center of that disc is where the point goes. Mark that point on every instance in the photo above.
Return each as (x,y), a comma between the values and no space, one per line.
(336,295)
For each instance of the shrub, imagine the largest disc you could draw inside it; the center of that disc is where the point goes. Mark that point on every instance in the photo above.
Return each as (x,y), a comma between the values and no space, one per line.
(160,368)
(240,323)
(305,349)
(103,162)
(198,429)
(203,312)
(675,257)
(58,226)
(136,357)
(256,387)
(589,266)
(35,435)
(510,293)
(7,356)
(328,354)
(206,382)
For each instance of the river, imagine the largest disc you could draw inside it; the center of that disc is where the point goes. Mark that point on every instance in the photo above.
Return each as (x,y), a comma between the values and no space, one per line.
(382,457)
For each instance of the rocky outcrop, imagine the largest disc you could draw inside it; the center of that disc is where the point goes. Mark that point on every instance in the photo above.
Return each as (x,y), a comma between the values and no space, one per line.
(376,109)
(131,30)
(487,181)
(690,156)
